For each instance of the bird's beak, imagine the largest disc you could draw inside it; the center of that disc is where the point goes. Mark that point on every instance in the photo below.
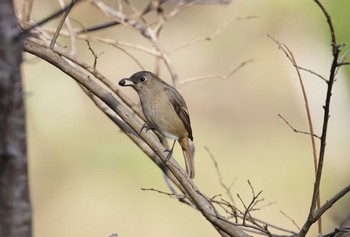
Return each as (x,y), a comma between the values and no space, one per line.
(123,82)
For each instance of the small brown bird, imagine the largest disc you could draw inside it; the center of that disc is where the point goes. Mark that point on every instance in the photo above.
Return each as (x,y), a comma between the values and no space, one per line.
(165,111)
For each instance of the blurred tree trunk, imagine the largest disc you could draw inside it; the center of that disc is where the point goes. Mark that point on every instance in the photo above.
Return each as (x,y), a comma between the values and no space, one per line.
(15,209)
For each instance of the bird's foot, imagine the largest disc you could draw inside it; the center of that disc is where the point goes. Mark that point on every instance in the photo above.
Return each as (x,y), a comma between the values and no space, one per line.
(170,153)
(145,126)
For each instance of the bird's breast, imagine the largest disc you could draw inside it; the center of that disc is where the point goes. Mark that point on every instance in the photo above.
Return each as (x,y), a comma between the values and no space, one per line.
(161,116)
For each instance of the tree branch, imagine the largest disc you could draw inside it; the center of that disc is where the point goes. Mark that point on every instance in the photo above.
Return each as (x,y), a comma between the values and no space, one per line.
(200,201)
(330,82)
(290,56)
(296,130)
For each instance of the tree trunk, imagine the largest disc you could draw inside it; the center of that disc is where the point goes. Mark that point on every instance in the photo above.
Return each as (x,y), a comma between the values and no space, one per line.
(15,209)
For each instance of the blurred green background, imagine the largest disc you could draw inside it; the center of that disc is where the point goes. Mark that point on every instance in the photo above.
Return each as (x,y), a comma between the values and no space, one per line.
(86,175)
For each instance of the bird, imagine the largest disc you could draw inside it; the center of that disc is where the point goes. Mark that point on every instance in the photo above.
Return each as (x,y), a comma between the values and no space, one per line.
(165,111)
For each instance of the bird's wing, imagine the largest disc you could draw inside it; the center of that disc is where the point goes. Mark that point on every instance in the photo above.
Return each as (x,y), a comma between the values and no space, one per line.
(180,108)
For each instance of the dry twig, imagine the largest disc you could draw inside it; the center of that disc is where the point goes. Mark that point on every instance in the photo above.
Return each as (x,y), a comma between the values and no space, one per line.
(215,33)
(219,76)
(296,130)
(290,56)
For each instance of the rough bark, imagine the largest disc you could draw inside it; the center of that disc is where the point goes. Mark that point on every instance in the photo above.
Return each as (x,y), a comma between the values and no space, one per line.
(15,209)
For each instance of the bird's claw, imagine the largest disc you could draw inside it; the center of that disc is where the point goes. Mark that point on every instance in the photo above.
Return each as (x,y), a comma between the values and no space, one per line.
(170,152)
(145,126)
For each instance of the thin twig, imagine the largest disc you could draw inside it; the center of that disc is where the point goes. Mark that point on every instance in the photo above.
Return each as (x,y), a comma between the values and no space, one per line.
(295,130)
(93,53)
(311,72)
(292,220)
(219,76)
(65,14)
(255,200)
(215,33)
(145,31)
(49,18)
(329,203)
(72,37)
(330,82)
(291,57)
(98,75)
(161,192)
(115,43)
(180,6)
(283,47)
(98,27)
(343,63)
(182,198)
(226,188)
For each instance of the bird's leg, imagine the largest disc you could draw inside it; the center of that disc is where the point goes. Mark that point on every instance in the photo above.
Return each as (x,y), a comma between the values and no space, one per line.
(170,152)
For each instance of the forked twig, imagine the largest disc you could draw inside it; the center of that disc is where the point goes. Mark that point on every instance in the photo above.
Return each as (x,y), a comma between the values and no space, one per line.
(172,195)
(226,188)
(49,18)
(290,56)
(295,130)
(292,220)
(93,53)
(312,217)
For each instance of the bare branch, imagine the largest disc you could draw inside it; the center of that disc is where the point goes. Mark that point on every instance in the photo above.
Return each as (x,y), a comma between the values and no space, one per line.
(292,220)
(219,76)
(107,100)
(117,44)
(63,19)
(145,31)
(49,18)
(202,203)
(180,6)
(159,191)
(226,188)
(93,53)
(290,56)
(343,63)
(68,24)
(215,33)
(295,130)
(331,202)
(98,27)
(331,28)
(330,82)
(181,198)
(283,47)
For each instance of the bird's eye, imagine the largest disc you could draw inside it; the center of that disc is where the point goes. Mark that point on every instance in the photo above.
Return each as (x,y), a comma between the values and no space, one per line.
(142,79)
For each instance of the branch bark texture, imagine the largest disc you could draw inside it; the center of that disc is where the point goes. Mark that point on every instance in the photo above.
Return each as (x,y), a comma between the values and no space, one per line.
(15,209)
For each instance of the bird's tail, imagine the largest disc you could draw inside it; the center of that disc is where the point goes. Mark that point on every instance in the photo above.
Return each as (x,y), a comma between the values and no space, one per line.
(188,155)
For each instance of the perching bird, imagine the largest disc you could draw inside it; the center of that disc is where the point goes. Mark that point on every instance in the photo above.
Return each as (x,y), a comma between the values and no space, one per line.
(165,111)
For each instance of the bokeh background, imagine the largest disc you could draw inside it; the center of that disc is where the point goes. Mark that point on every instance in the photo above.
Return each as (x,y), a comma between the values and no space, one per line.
(86,175)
